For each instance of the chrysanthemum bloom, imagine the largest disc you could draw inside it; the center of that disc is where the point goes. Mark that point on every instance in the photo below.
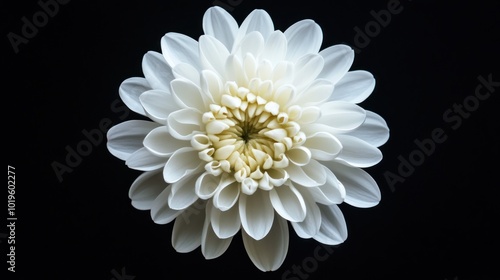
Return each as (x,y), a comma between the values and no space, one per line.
(252,129)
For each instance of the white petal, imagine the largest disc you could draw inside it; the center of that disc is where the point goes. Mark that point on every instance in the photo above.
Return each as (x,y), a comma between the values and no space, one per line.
(126,138)
(338,60)
(361,189)
(303,37)
(275,47)
(373,131)
(188,95)
(183,162)
(333,230)
(309,227)
(206,185)
(358,153)
(183,193)
(288,202)
(316,93)
(332,192)
(309,115)
(146,188)
(283,75)
(186,71)
(188,227)
(158,105)
(307,69)
(184,124)
(211,85)
(178,48)
(213,54)
(269,253)
(234,70)
(211,245)
(157,71)
(323,146)
(160,212)
(354,87)
(227,193)
(341,115)
(310,175)
(161,143)
(130,90)
(256,214)
(252,43)
(299,156)
(225,223)
(144,160)
(257,20)
(218,23)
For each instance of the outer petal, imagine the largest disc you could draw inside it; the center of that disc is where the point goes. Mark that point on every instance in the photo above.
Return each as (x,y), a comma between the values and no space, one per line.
(288,202)
(332,192)
(303,37)
(130,90)
(156,70)
(188,228)
(225,223)
(228,193)
(144,160)
(146,188)
(178,48)
(213,54)
(158,105)
(186,71)
(374,130)
(206,185)
(354,87)
(184,124)
(188,95)
(275,47)
(310,175)
(338,59)
(126,138)
(160,212)
(358,153)
(211,245)
(218,23)
(309,227)
(183,193)
(161,143)
(333,228)
(256,214)
(360,188)
(306,70)
(269,253)
(252,43)
(257,20)
(342,116)
(323,146)
(182,163)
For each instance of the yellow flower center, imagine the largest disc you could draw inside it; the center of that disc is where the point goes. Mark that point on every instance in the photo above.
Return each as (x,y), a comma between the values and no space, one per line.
(248,134)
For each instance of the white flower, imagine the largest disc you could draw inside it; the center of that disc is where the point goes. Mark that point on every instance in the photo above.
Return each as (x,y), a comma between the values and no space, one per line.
(251,128)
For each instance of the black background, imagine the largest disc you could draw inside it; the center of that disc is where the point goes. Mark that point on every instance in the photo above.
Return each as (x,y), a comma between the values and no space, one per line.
(436,224)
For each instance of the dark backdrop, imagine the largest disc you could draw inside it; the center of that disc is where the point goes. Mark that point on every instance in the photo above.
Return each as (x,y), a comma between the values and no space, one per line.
(438,210)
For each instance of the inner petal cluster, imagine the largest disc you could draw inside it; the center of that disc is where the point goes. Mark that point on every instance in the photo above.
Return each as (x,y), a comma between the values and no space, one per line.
(248,134)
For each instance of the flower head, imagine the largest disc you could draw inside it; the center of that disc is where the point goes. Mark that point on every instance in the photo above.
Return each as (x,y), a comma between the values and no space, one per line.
(252,129)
